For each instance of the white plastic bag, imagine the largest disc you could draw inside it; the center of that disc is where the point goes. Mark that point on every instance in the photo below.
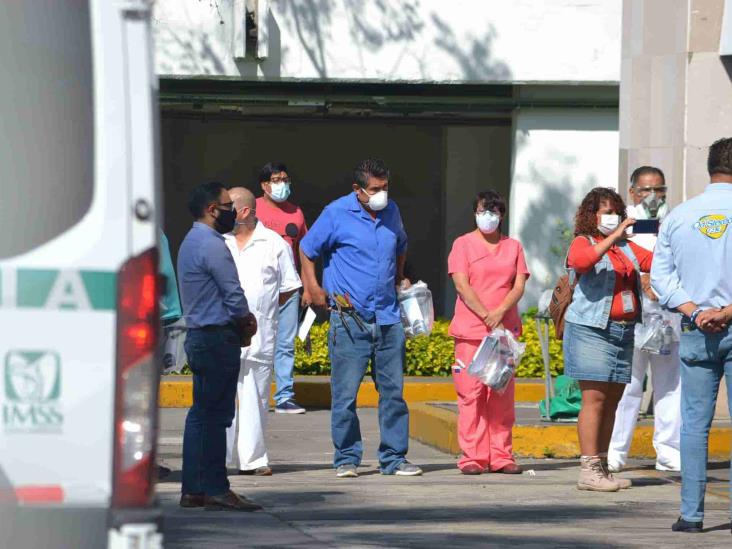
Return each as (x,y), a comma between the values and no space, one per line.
(496,359)
(416,309)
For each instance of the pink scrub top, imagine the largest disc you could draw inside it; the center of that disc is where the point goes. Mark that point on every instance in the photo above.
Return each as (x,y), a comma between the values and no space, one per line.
(491,274)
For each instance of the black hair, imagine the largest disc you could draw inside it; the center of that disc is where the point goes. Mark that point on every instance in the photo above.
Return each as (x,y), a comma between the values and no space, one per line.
(646,170)
(202,195)
(720,157)
(491,201)
(270,168)
(370,168)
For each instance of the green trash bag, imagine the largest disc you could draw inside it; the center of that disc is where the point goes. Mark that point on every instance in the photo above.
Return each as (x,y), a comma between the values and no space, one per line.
(566,402)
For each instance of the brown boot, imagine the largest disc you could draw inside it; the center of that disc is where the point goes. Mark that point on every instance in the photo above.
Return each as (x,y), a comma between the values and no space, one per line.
(592,476)
(623,483)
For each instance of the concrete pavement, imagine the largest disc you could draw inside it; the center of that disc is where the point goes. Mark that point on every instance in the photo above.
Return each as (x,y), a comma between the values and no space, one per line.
(307,506)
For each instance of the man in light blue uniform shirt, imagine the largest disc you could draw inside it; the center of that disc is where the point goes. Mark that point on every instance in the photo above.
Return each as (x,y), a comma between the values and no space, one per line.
(219,323)
(361,240)
(692,273)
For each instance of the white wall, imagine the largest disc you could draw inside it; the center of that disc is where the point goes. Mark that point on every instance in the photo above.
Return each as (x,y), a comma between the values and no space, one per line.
(389,40)
(559,155)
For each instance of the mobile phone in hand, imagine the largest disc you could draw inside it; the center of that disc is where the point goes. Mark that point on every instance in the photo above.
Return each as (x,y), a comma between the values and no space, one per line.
(645,226)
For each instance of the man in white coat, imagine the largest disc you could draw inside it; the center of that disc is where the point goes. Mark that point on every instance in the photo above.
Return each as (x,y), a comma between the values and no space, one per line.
(267,274)
(648,196)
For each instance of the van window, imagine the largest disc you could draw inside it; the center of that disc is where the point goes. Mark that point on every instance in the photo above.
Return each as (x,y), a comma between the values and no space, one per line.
(46,119)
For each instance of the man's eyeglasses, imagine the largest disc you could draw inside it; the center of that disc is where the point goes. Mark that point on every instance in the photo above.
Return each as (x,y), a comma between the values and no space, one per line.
(228,206)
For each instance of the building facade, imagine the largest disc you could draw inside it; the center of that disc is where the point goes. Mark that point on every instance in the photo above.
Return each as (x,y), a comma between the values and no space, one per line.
(456,97)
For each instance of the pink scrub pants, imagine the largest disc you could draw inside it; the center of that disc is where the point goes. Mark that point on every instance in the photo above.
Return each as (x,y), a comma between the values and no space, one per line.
(485,417)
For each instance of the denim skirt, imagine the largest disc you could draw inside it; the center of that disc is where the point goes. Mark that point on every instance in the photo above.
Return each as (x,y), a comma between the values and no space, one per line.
(597,354)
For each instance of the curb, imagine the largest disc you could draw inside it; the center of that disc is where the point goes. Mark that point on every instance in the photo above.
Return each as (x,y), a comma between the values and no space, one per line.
(315,393)
(437,427)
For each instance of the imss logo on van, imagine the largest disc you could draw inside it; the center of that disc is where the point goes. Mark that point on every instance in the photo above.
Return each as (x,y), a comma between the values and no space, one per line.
(32,381)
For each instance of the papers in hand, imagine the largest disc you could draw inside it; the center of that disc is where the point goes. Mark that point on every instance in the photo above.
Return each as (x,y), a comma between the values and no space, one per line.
(306,324)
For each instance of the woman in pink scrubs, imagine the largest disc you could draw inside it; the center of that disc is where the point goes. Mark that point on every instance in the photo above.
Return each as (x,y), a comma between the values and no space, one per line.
(489,272)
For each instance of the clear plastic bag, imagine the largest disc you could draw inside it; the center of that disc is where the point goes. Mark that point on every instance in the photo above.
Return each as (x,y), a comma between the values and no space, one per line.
(657,335)
(174,353)
(416,309)
(496,359)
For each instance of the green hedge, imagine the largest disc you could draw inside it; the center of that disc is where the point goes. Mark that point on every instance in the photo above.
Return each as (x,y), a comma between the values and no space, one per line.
(433,355)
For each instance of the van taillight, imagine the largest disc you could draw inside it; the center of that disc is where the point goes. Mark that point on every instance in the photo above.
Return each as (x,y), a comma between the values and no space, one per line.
(138,375)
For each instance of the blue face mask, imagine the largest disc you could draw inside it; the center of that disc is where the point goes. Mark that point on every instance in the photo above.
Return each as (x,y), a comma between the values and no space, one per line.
(280,191)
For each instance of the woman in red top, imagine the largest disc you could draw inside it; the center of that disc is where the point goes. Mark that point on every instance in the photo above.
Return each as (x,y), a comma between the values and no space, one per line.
(489,272)
(600,325)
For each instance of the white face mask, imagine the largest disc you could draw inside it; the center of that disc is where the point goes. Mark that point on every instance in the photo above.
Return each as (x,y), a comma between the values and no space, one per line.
(378,201)
(608,223)
(487,222)
(280,191)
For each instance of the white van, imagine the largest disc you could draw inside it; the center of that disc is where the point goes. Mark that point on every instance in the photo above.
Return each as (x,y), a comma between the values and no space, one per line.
(79,189)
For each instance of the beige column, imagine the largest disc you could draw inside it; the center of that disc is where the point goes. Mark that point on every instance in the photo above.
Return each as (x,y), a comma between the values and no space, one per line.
(675,90)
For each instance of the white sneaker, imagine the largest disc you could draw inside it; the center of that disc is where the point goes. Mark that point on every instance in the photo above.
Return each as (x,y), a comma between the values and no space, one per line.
(615,466)
(671,468)
(406,469)
(348,470)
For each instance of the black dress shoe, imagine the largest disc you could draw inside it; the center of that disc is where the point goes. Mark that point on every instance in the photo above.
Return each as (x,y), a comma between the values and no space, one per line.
(230,502)
(191,500)
(689,527)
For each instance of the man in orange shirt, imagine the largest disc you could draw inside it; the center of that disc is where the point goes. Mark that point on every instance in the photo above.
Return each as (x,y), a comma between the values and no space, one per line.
(287,220)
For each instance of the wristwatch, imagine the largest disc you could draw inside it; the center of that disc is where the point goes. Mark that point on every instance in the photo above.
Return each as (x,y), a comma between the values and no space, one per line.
(693,315)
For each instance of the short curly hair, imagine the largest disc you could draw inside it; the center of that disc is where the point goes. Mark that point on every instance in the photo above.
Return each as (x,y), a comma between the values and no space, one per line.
(720,157)
(585,221)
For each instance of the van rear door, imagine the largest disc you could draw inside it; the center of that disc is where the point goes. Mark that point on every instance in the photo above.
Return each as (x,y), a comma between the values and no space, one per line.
(78,257)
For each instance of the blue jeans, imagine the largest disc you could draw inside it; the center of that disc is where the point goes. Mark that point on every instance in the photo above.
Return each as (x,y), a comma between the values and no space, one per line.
(705,358)
(284,361)
(213,356)
(349,355)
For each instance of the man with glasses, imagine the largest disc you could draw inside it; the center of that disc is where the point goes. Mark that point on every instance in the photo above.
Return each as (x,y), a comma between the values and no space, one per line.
(648,201)
(280,215)
(219,324)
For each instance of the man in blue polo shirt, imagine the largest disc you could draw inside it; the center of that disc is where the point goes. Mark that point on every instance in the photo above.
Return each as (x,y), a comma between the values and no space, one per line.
(361,240)
(691,274)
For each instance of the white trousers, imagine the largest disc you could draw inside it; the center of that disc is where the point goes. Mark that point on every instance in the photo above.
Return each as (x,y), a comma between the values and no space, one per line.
(250,421)
(665,374)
